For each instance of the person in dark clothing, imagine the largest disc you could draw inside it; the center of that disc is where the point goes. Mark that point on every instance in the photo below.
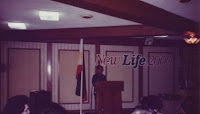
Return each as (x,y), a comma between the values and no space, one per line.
(53,108)
(17,105)
(98,77)
(141,110)
(152,102)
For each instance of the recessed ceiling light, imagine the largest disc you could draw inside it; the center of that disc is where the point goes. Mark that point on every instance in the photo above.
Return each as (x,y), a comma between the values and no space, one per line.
(49,16)
(16,25)
(86,16)
(185,1)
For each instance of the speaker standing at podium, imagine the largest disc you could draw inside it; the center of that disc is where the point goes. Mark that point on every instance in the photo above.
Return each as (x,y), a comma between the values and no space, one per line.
(98,77)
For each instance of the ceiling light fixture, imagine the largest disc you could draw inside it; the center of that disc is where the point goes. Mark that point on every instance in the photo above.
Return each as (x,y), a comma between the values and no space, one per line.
(14,25)
(149,41)
(49,16)
(192,39)
(185,1)
(87,16)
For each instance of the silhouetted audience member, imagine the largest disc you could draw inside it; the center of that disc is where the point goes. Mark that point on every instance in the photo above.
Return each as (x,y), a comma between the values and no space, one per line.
(141,110)
(53,108)
(17,105)
(152,102)
(172,104)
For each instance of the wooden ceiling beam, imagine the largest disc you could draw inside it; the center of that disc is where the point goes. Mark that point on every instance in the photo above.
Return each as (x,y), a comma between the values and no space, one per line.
(137,11)
(77,33)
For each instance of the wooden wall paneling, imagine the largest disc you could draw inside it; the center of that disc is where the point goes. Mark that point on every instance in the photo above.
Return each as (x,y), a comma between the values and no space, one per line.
(59,35)
(117,35)
(190,67)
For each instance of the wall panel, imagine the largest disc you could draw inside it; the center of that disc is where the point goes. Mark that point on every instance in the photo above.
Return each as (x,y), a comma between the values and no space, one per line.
(161,72)
(123,73)
(65,60)
(26,71)
(67,69)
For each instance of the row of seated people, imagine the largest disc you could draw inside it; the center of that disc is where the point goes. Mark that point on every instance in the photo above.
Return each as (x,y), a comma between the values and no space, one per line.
(20,105)
(163,104)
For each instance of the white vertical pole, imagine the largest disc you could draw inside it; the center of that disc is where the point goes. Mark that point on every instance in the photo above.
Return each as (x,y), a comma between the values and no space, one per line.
(81,96)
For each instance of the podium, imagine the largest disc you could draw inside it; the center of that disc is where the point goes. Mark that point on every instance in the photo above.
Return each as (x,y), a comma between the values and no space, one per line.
(108,97)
